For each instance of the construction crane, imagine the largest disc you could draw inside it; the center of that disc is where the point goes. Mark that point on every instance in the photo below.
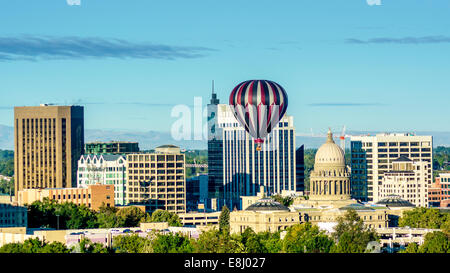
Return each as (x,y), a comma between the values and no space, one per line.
(342,138)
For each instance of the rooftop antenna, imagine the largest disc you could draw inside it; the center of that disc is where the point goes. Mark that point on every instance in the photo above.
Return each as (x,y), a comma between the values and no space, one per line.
(214,99)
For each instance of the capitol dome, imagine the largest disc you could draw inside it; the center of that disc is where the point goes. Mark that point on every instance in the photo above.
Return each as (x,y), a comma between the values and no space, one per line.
(330,153)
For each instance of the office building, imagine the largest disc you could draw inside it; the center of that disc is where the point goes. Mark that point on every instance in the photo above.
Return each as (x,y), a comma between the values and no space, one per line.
(439,192)
(196,193)
(157,180)
(94,196)
(372,156)
(48,141)
(106,170)
(300,169)
(13,215)
(215,151)
(113,147)
(236,168)
(408,180)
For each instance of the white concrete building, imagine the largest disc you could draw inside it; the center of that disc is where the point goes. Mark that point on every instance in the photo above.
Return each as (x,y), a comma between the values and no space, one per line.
(372,156)
(105,170)
(408,179)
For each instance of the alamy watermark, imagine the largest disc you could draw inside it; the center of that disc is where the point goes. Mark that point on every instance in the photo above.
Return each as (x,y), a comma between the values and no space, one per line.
(73,2)
(373,2)
(198,123)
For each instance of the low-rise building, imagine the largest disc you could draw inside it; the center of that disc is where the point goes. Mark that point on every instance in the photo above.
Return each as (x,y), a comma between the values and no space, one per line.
(407,179)
(199,218)
(439,192)
(94,196)
(12,215)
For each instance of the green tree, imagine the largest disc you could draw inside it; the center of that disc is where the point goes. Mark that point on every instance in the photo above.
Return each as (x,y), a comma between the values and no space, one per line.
(55,247)
(34,245)
(306,238)
(411,248)
(252,242)
(285,201)
(132,244)
(271,241)
(49,213)
(165,216)
(7,187)
(435,242)
(172,243)
(87,246)
(224,220)
(78,216)
(215,241)
(351,234)
(424,218)
(130,217)
(12,248)
(107,217)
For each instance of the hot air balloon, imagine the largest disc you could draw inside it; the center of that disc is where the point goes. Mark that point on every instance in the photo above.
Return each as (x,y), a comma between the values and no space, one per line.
(258,105)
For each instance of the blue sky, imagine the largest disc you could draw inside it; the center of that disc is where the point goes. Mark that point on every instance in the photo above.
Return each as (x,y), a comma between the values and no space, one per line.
(342,62)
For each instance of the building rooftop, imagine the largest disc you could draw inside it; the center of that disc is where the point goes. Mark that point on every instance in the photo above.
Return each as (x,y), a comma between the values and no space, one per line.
(402,159)
(356,207)
(168,146)
(267,204)
(394,201)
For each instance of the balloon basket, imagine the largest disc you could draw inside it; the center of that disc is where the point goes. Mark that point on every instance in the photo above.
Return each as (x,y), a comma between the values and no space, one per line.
(258,147)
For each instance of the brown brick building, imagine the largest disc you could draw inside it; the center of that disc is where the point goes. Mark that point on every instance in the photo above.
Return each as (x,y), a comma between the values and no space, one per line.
(48,141)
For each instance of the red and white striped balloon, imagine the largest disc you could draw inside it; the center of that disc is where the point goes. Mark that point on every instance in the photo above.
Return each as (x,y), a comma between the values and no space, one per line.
(258,105)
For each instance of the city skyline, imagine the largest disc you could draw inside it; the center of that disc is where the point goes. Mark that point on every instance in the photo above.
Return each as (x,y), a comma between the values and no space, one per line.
(369,68)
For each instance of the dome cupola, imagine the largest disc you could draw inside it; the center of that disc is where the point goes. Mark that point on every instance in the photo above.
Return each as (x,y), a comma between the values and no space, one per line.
(329,154)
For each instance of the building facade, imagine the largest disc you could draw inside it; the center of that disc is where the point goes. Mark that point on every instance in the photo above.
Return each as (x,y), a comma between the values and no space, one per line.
(300,169)
(48,141)
(12,215)
(330,179)
(94,196)
(439,192)
(372,156)
(237,169)
(196,192)
(158,179)
(408,179)
(105,170)
(113,147)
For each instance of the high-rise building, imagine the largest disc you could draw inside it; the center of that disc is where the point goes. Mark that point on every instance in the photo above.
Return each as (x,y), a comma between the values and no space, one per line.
(236,168)
(48,141)
(157,180)
(113,147)
(215,151)
(372,156)
(105,170)
(408,180)
(300,169)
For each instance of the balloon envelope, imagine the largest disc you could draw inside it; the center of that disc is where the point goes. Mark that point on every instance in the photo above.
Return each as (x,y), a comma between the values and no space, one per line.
(258,105)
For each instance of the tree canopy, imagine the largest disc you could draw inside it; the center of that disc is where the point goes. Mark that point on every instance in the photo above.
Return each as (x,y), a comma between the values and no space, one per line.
(351,234)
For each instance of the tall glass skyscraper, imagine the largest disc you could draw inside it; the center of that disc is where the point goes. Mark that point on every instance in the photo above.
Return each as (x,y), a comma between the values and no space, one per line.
(237,169)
